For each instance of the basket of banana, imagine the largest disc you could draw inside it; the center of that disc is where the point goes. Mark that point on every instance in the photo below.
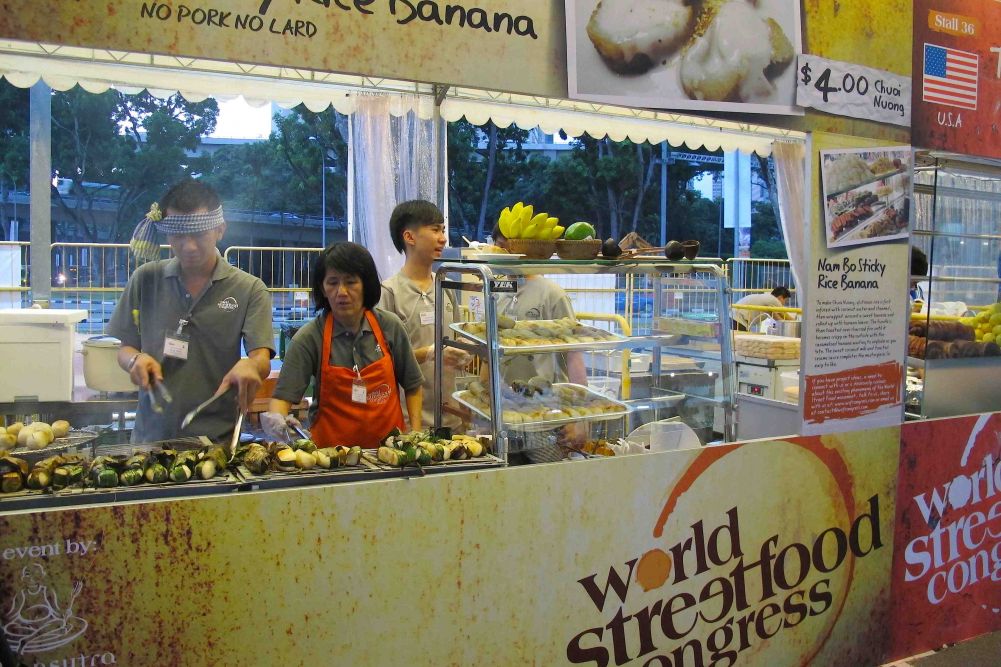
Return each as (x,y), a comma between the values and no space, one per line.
(529,233)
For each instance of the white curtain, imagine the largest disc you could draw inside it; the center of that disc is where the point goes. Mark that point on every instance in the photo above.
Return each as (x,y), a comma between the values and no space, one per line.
(790,169)
(393,144)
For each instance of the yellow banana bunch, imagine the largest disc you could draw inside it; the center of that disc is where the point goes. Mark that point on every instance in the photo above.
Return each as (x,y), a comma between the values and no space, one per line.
(521,222)
(510,221)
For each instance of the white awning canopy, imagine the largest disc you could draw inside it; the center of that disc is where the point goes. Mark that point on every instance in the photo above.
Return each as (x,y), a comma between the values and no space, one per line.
(96,70)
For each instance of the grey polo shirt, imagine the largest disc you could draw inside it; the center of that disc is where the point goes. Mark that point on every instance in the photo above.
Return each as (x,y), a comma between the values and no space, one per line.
(415,308)
(235,307)
(536,299)
(302,359)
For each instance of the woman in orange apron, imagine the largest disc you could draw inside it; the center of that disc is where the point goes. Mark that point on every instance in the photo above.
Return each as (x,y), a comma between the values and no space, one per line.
(358,356)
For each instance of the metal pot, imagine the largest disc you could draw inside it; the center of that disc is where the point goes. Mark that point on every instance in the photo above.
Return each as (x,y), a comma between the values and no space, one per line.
(101,371)
(790,328)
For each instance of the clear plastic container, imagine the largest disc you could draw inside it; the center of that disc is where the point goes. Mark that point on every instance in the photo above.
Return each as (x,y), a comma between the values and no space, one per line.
(790,386)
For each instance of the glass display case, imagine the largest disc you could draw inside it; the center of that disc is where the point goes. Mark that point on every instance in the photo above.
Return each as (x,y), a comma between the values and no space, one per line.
(954,361)
(569,352)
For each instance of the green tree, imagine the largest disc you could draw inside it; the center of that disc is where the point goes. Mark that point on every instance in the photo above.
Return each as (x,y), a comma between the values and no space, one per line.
(135,145)
(14,147)
(488,170)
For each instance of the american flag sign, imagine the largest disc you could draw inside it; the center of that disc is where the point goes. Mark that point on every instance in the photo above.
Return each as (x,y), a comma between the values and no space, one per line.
(950,77)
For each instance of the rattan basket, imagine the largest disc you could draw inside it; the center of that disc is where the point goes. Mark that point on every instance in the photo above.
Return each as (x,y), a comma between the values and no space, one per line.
(532,248)
(578,249)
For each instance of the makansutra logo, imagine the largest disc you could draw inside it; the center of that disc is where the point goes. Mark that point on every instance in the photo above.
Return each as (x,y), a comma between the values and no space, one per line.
(735,571)
(229,303)
(959,544)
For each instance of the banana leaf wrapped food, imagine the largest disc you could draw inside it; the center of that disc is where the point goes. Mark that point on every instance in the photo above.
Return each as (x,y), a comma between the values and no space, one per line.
(40,477)
(13,474)
(132,470)
(283,457)
(182,467)
(327,458)
(348,456)
(255,458)
(157,466)
(305,445)
(103,472)
(66,475)
(211,461)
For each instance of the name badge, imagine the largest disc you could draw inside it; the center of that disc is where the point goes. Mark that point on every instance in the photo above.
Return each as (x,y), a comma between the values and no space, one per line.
(359,394)
(176,346)
(427,317)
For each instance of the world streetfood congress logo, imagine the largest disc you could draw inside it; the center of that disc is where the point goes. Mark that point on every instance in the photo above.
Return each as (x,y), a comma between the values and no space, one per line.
(960,551)
(720,591)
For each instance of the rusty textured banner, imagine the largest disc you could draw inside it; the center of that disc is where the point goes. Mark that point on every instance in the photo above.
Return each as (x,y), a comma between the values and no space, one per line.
(772,552)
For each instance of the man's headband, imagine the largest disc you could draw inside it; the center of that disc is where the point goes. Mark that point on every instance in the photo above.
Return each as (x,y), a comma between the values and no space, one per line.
(145,243)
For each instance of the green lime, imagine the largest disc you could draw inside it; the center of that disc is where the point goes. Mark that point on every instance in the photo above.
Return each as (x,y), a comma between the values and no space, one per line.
(580,231)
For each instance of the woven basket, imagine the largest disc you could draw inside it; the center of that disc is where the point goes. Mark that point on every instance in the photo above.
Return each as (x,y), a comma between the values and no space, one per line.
(532,248)
(578,249)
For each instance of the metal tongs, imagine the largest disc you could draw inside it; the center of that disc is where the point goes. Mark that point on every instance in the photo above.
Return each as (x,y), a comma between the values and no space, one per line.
(300,430)
(204,404)
(158,395)
(235,440)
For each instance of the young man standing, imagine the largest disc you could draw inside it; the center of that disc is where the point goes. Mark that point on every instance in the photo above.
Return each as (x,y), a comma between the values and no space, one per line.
(417,228)
(182,321)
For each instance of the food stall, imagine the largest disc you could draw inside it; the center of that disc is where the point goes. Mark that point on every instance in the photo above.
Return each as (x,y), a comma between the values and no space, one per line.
(631,551)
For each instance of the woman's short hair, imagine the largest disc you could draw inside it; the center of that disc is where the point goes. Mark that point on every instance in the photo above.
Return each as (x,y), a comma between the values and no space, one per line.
(352,259)
(782,292)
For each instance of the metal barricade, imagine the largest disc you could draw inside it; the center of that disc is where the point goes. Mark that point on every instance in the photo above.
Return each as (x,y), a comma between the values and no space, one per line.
(91,277)
(750,276)
(287,273)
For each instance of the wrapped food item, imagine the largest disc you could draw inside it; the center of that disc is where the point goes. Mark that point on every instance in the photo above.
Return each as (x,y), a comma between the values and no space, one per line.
(183,466)
(13,474)
(947,331)
(211,461)
(156,468)
(66,475)
(103,472)
(132,470)
(40,477)
(256,458)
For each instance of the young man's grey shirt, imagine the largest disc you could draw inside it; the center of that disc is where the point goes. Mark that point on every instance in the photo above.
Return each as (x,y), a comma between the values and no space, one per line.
(415,308)
(536,299)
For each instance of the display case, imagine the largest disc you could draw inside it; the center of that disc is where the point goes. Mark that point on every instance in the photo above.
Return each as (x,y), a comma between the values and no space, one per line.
(953,356)
(599,347)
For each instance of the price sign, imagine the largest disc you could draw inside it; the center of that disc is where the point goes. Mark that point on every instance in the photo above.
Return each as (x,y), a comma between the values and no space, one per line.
(847,89)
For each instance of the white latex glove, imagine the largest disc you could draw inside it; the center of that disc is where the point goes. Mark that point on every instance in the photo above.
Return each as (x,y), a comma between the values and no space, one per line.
(456,358)
(275,426)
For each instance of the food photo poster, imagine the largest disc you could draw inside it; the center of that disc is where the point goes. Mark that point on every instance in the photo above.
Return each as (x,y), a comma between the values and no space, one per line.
(866,195)
(736,55)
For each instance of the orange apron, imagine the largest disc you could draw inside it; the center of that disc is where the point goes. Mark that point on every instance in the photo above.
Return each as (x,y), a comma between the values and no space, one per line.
(341,421)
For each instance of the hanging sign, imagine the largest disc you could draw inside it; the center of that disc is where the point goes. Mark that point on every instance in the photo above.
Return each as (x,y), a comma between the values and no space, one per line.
(847,89)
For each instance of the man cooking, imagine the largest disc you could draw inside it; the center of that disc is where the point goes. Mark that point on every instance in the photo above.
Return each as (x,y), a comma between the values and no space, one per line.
(182,321)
